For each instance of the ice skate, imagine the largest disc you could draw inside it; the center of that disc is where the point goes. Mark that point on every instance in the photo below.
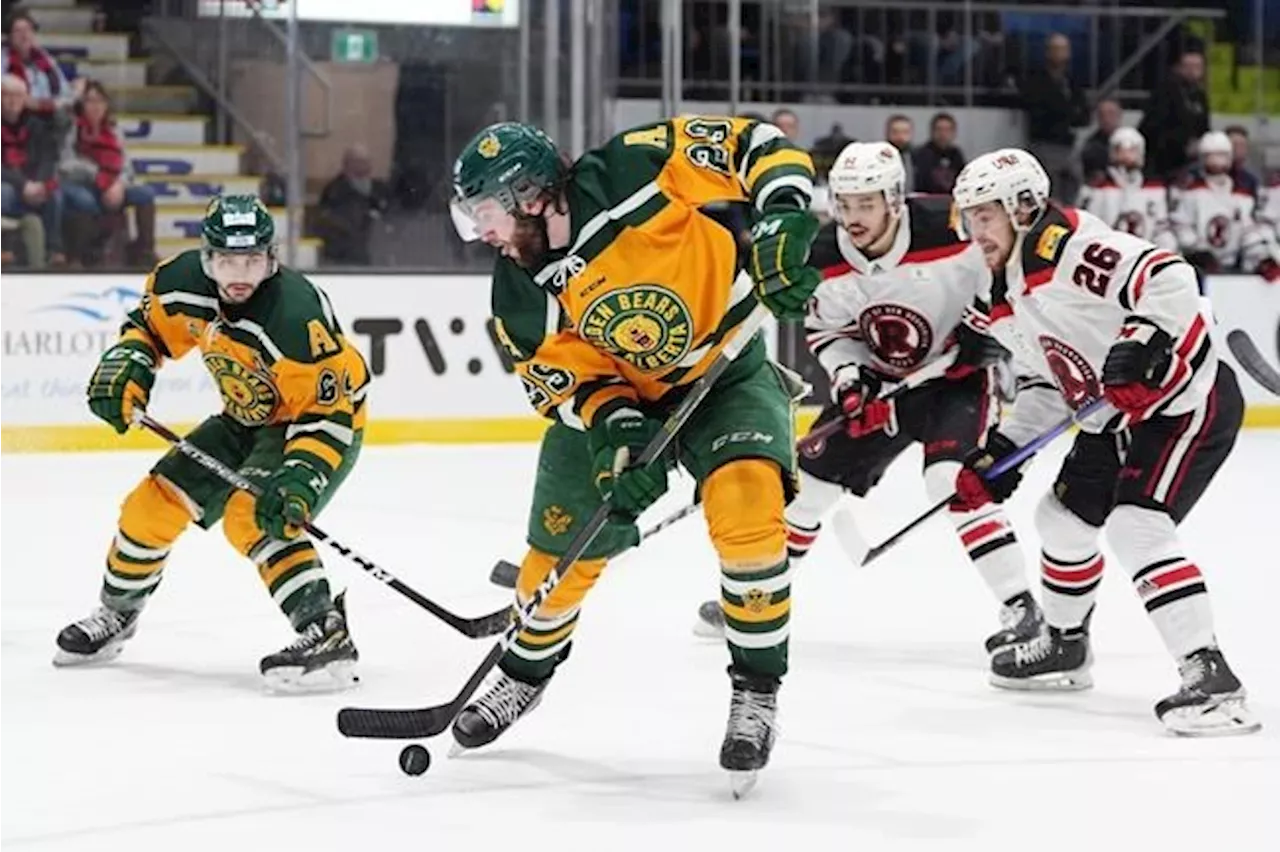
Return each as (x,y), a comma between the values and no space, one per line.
(1210,702)
(484,720)
(1052,660)
(1022,621)
(99,638)
(322,659)
(710,621)
(749,735)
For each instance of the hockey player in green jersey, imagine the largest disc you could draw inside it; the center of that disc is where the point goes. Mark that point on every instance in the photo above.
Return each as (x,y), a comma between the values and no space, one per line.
(293,392)
(614,293)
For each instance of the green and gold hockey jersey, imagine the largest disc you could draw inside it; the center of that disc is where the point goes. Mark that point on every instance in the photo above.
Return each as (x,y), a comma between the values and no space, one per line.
(280,358)
(647,293)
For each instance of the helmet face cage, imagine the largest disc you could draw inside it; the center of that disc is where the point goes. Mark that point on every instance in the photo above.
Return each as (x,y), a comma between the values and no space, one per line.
(509,163)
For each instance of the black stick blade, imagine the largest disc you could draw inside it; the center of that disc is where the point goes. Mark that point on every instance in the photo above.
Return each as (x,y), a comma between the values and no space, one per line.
(394,724)
(1252,360)
(491,624)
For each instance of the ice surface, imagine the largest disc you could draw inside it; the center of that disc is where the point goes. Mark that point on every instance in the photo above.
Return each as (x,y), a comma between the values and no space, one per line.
(891,737)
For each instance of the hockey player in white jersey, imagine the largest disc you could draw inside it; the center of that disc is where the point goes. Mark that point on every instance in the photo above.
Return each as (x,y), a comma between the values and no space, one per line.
(1215,220)
(1125,198)
(1104,314)
(1269,205)
(898,282)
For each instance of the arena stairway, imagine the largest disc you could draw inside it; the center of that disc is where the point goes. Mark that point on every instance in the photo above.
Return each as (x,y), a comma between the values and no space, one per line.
(166,139)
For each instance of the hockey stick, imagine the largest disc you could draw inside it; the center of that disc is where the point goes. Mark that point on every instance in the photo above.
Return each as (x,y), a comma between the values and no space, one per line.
(430,721)
(1009,462)
(476,628)
(1252,360)
(505,573)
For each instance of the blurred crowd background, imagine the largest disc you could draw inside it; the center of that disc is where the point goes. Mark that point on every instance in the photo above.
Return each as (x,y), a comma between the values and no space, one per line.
(122,119)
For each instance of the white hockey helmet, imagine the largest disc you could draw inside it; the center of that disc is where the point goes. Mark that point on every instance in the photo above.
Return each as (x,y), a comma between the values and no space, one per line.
(868,167)
(1128,138)
(1215,142)
(1010,176)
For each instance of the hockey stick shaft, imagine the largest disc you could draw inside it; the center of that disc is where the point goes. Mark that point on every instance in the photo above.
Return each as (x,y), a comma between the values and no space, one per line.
(475,627)
(1005,464)
(414,724)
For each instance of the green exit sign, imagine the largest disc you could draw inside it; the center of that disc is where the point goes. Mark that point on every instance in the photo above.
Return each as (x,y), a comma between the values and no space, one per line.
(354,46)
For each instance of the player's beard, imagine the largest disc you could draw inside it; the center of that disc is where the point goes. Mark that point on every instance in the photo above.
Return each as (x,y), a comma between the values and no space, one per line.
(529,241)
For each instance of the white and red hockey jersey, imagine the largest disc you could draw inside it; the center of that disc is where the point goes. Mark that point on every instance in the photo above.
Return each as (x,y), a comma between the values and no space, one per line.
(1130,202)
(1215,215)
(1269,204)
(1066,293)
(896,312)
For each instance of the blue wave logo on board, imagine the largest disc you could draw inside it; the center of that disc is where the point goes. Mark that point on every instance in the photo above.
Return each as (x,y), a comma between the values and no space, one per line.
(102,306)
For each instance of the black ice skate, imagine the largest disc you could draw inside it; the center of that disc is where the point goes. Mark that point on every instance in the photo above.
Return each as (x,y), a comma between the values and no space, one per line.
(484,720)
(710,623)
(1053,660)
(1211,700)
(749,735)
(1022,621)
(96,639)
(322,659)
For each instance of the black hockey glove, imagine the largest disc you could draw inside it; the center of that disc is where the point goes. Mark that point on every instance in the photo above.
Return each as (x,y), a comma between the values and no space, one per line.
(1137,365)
(977,351)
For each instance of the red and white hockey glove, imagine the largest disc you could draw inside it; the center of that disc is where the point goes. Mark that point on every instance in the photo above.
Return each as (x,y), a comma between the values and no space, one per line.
(855,390)
(973,491)
(1137,365)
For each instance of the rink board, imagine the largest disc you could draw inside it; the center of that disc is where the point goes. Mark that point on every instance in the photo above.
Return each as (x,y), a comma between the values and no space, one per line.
(439,373)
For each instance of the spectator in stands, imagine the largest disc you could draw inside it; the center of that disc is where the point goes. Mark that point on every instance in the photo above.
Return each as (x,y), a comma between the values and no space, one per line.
(1054,105)
(47,89)
(1240,170)
(788,122)
(938,161)
(835,45)
(349,205)
(1177,117)
(899,132)
(824,153)
(30,174)
(1095,156)
(96,187)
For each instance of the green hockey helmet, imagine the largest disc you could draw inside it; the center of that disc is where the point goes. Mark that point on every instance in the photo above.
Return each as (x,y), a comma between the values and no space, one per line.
(238,225)
(508,162)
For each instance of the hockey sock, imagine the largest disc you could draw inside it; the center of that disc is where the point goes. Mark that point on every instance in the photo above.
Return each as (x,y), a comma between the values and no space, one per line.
(986,535)
(151,519)
(1070,564)
(545,641)
(1170,585)
(813,501)
(290,569)
(744,507)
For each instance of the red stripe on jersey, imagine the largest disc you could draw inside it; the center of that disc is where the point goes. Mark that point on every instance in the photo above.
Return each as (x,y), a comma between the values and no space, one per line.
(932,254)
(1083,574)
(838,269)
(1144,269)
(1151,183)
(1000,311)
(968,537)
(1072,217)
(1039,278)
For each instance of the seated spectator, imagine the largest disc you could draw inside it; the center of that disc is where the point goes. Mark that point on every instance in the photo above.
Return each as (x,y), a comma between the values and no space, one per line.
(349,205)
(96,189)
(1054,105)
(47,89)
(899,132)
(788,122)
(1095,156)
(1240,170)
(30,175)
(938,161)
(1178,116)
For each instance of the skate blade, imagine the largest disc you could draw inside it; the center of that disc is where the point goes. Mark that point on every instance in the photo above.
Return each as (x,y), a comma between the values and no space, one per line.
(703,630)
(456,749)
(1228,718)
(68,659)
(338,676)
(742,782)
(1056,682)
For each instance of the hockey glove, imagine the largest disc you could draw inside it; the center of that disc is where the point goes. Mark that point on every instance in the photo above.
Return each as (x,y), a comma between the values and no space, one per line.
(1136,366)
(613,444)
(973,491)
(122,383)
(779,260)
(977,351)
(855,390)
(288,498)
(1269,270)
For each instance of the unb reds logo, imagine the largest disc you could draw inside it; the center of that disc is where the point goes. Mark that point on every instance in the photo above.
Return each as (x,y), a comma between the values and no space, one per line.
(250,397)
(897,335)
(1071,371)
(647,326)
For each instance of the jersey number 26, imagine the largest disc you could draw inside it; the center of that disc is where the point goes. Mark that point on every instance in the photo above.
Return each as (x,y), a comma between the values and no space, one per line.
(1092,272)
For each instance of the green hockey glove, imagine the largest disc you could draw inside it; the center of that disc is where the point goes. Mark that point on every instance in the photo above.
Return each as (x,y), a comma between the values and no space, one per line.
(614,443)
(779,262)
(122,383)
(288,498)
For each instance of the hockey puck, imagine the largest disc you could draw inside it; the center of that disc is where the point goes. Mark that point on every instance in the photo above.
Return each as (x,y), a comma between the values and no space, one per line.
(414,759)
(504,574)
